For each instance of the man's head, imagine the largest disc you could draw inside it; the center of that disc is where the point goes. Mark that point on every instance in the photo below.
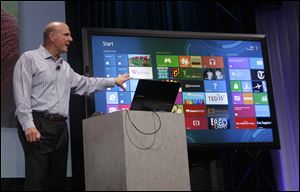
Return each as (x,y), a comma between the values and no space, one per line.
(57,37)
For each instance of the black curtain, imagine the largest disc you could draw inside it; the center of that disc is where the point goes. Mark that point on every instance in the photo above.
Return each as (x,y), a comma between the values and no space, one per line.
(202,16)
(282,29)
(205,16)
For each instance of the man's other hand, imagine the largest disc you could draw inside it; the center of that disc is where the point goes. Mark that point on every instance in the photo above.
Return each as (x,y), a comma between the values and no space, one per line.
(32,135)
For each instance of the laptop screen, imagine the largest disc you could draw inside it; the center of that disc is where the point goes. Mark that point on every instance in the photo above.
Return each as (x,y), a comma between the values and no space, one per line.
(151,95)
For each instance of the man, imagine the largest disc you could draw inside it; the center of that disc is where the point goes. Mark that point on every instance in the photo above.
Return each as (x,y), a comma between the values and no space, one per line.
(42,84)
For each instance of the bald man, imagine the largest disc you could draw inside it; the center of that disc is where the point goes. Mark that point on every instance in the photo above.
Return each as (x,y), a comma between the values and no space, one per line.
(42,83)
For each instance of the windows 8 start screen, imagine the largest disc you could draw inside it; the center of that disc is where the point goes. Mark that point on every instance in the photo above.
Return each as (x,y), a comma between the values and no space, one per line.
(224,91)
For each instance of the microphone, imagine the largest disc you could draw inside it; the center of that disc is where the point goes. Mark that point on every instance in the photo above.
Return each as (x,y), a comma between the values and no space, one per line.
(59,63)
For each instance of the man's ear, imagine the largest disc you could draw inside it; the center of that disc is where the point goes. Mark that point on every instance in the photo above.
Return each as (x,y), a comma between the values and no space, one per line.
(51,36)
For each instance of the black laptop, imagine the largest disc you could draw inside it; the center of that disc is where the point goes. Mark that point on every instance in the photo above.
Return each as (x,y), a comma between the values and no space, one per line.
(154,95)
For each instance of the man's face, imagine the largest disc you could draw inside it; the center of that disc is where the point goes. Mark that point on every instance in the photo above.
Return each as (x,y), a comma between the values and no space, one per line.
(62,38)
(218,73)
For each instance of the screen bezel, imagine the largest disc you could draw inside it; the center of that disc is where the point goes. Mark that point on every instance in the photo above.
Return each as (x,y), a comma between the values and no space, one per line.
(87,33)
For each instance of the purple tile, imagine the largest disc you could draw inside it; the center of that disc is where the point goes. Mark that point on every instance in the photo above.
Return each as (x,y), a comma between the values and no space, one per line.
(237,98)
(238,62)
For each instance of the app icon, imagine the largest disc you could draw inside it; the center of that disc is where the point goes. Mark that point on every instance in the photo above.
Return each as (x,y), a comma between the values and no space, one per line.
(185,61)
(192,86)
(122,60)
(246,86)
(110,59)
(238,62)
(244,111)
(259,86)
(239,74)
(264,123)
(217,110)
(167,61)
(258,75)
(216,98)
(162,72)
(196,62)
(260,98)
(218,123)
(256,63)
(235,86)
(196,123)
(237,98)
(262,110)
(245,123)
(215,86)
(248,98)
(139,60)
(212,61)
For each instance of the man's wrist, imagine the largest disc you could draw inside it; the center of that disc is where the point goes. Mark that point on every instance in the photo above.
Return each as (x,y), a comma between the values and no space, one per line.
(27,125)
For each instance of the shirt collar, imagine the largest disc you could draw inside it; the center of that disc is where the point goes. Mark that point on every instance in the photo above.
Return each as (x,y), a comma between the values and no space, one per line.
(46,54)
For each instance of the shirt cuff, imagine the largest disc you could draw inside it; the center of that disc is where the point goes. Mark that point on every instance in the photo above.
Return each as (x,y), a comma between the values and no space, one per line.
(111,82)
(28,124)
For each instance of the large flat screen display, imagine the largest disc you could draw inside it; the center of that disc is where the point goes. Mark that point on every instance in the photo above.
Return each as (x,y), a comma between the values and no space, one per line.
(226,90)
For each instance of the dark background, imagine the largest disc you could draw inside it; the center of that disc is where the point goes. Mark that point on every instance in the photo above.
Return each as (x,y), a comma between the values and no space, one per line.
(236,169)
(210,169)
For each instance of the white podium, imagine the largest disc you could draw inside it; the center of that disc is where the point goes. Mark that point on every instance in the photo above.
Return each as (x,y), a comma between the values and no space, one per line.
(118,157)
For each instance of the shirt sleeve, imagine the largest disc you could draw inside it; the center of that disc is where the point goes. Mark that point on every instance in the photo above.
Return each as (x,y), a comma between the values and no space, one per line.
(22,81)
(82,85)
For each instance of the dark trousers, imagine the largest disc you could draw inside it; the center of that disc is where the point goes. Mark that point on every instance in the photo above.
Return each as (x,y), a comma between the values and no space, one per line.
(46,161)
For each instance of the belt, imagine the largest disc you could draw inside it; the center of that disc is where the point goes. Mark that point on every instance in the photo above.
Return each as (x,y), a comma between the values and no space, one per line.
(49,116)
